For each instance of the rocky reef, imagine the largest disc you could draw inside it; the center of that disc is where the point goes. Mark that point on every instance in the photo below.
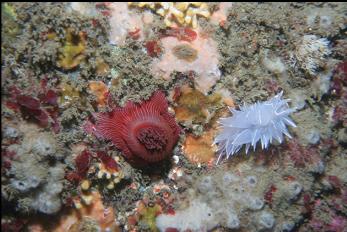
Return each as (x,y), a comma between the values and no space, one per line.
(78,81)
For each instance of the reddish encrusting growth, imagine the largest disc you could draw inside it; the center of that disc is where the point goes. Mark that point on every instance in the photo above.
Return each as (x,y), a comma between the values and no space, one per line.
(181,33)
(338,89)
(107,160)
(335,182)
(16,225)
(145,133)
(302,156)
(269,194)
(272,86)
(135,34)
(42,109)
(153,48)
(6,159)
(82,163)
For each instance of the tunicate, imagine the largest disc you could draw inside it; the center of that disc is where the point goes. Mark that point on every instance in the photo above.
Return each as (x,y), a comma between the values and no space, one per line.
(287,227)
(10,132)
(313,136)
(229,178)
(267,220)
(251,180)
(44,145)
(255,203)
(25,185)
(294,190)
(233,221)
(206,184)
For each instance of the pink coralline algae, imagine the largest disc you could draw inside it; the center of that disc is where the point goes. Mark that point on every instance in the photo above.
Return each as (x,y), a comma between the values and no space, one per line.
(340,78)
(6,158)
(300,155)
(145,133)
(325,214)
(339,89)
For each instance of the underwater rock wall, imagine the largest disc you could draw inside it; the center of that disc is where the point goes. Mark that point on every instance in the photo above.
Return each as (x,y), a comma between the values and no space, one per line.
(63,64)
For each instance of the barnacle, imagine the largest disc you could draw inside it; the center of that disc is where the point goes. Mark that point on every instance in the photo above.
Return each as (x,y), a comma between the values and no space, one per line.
(183,13)
(72,54)
(114,176)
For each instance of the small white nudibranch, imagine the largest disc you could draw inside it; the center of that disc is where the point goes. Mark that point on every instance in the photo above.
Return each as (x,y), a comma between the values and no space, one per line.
(262,121)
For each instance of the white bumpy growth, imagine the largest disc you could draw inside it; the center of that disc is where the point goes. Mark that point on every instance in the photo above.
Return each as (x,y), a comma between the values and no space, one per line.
(262,121)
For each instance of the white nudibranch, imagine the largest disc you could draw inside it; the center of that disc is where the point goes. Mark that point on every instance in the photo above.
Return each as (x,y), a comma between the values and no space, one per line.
(262,121)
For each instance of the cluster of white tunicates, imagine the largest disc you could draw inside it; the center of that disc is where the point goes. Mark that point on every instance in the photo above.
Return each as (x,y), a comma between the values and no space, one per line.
(229,198)
(33,181)
(266,220)
(10,132)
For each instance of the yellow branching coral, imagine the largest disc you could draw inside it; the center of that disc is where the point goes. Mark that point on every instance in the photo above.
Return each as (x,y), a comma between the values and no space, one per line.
(183,13)
(72,53)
